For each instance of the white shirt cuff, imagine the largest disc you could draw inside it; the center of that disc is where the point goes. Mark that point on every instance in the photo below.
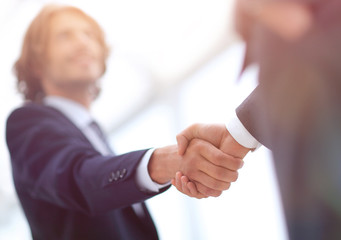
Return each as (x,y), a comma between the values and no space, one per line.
(143,180)
(241,134)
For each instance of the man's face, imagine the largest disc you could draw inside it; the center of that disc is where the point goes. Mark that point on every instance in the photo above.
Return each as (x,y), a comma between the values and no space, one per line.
(256,20)
(74,56)
(288,19)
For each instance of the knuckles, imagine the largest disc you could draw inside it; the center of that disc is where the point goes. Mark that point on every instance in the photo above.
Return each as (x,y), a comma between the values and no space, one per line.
(196,145)
(219,158)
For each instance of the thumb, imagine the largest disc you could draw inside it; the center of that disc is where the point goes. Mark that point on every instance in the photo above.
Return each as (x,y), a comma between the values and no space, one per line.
(211,133)
(182,143)
(184,138)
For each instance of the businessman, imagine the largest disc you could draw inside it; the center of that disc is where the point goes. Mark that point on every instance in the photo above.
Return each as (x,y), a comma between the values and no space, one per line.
(69,182)
(295,110)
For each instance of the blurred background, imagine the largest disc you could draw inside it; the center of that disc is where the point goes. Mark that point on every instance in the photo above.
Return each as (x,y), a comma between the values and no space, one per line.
(173,63)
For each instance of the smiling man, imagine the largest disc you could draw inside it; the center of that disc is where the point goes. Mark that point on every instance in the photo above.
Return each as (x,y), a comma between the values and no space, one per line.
(69,182)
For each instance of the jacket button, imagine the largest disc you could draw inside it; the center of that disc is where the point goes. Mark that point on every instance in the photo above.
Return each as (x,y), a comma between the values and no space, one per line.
(123,173)
(112,177)
(117,175)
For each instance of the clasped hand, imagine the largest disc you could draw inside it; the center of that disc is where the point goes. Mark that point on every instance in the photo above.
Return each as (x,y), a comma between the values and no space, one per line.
(220,158)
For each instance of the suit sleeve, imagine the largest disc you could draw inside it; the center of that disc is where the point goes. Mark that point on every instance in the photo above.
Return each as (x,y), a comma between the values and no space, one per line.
(53,163)
(251,112)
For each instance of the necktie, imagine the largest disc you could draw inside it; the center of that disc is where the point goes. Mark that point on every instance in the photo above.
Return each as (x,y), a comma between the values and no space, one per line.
(94,126)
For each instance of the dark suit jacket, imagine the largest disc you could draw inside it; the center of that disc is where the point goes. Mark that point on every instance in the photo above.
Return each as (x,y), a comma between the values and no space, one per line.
(296,112)
(66,187)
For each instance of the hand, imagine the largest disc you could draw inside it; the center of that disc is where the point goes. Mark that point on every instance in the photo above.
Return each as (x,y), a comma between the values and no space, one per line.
(208,167)
(216,134)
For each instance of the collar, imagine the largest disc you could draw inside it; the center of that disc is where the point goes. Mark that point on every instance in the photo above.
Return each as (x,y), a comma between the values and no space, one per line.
(74,111)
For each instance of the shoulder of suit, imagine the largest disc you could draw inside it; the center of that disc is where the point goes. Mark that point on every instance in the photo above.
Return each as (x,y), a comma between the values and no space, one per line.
(35,109)
(35,112)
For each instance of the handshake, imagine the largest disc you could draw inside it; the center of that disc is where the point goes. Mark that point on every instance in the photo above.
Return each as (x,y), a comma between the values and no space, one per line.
(203,164)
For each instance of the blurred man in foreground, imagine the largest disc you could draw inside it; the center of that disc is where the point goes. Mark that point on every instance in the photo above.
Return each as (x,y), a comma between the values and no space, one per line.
(295,110)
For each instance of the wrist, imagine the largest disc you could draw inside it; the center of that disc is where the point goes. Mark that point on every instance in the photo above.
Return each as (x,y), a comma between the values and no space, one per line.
(231,146)
(163,164)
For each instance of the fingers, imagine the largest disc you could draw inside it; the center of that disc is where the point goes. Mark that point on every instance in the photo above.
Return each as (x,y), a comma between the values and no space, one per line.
(209,132)
(188,188)
(208,191)
(193,189)
(210,182)
(190,185)
(218,173)
(197,188)
(198,165)
(216,156)
(212,161)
